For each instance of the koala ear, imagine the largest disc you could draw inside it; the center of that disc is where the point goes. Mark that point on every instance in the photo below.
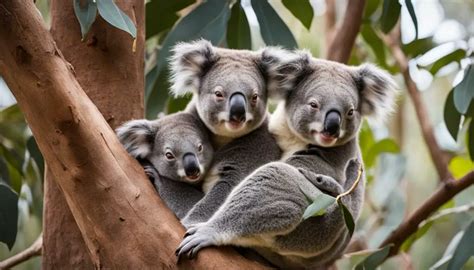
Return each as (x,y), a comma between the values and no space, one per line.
(138,137)
(189,61)
(377,90)
(283,69)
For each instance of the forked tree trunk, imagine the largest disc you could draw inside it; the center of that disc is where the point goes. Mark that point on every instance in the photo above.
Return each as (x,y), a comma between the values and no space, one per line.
(122,221)
(112,76)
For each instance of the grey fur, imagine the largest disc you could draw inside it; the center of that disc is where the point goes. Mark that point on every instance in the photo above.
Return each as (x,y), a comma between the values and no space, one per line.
(202,69)
(180,133)
(265,210)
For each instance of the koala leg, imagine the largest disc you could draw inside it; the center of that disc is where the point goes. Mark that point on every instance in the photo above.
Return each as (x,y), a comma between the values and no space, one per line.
(323,182)
(267,203)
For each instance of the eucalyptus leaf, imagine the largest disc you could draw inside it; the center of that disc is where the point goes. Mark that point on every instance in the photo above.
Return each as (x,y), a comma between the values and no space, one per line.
(463,92)
(411,11)
(448,253)
(301,9)
(4,175)
(86,12)
(455,56)
(273,29)
(370,8)
(383,146)
(8,215)
(375,43)
(452,118)
(35,154)
(178,104)
(111,13)
(319,206)
(390,15)
(348,219)
(162,14)
(464,250)
(157,93)
(418,47)
(375,259)
(238,29)
(470,135)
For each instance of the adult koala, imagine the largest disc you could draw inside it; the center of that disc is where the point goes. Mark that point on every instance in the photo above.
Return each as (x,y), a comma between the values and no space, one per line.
(319,120)
(230,90)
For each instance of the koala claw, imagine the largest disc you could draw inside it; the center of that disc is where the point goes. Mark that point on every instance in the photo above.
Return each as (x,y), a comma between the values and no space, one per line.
(150,171)
(195,239)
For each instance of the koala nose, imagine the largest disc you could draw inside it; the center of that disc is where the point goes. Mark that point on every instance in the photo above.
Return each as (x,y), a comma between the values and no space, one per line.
(332,123)
(237,105)
(191,165)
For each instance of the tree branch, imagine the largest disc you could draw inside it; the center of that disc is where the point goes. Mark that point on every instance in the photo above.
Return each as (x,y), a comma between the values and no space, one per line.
(340,47)
(123,223)
(32,251)
(445,192)
(330,20)
(439,159)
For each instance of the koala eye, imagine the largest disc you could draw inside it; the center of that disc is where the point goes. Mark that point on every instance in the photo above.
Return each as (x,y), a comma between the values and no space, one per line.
(313,105)
(254,98)
(200,147)
(350,112)
(169,155)
(218,94)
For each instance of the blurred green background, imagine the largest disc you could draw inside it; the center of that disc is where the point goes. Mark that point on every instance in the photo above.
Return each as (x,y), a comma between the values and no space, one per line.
(401,173)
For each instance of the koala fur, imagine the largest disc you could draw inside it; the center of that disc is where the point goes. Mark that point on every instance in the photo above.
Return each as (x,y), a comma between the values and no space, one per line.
(316,125)
(230,90)
(175,151)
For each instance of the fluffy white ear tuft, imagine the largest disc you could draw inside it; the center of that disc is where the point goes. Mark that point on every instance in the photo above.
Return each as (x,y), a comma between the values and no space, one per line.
(138,137)
(188,63)
(283,69)
(377,90)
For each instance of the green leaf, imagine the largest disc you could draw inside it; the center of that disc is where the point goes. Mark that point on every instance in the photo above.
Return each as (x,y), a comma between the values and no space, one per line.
(162,14)
(301,9)
(448,253)
(238,30)
(463,92)
(470,145)
(375,259)
(4,175)
(8,215)
(418,46)
(390,15)
(116,17)
(455,56)
(156,92)
(452,118)
(86,12)
(464,250)
(274,31)
(319,206)
(348,219)
(460,166)
(415,236)
(366,139)
(370,8)
(35,154)
(178,104)
(411,10)
(383,146)
(375,43)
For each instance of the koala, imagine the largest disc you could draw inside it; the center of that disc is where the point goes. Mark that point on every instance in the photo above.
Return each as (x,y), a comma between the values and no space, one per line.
(316,125)
(175,151)
(230,89)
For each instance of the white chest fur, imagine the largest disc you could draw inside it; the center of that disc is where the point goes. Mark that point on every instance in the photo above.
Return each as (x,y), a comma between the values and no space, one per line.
(278,126)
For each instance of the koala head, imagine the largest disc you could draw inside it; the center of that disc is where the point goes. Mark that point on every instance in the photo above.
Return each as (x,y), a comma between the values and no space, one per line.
(177,145)
(324,101)
(229,86)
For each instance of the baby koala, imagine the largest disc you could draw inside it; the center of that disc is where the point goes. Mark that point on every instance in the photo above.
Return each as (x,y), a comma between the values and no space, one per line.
(175,151)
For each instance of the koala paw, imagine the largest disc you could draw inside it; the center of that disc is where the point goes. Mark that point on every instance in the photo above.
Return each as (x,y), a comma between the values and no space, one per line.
(197,237)
(151,172)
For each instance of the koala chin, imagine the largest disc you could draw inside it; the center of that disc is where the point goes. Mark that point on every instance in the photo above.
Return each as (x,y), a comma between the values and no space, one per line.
(175,151)
(317,125)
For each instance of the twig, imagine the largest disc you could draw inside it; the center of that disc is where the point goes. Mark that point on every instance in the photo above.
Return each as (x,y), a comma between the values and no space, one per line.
(445,192)
(32,251)
(449,211)
(340,47)
(354,185)
(439,159)
(330,20)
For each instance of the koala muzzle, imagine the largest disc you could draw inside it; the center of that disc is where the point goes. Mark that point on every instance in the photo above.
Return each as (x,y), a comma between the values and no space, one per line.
(238,106)
(191,165)
(332,123)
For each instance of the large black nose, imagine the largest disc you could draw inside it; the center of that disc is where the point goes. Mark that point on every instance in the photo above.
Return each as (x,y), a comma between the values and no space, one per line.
(191,165)
(332,123)
(237,105)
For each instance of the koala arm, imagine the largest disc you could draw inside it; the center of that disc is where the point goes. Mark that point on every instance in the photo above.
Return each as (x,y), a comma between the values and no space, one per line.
(232,163)
(323,182)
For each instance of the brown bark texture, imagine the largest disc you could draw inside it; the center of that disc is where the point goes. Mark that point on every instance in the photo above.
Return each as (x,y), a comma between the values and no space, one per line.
(112,76)
(122,221)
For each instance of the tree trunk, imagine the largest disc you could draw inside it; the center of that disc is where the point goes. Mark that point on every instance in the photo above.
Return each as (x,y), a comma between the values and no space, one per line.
(122,221)
(112,76)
